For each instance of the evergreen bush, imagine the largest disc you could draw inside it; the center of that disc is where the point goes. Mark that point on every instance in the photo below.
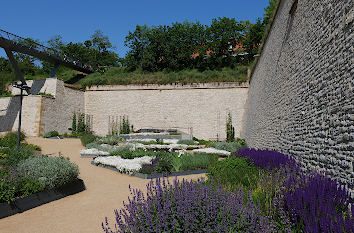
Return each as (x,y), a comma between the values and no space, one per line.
(230,130)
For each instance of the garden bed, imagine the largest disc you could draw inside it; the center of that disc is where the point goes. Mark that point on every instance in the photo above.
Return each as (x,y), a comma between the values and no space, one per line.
(23,204)
(154,175)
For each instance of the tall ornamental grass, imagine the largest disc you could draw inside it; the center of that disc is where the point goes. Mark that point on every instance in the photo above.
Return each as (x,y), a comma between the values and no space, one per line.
(188,206)
(235,172)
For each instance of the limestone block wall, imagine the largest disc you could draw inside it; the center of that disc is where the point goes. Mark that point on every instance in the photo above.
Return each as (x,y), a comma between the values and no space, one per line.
(301,96)
(48,86)
(200,108)
(57,113)
(41,114)
(9,112)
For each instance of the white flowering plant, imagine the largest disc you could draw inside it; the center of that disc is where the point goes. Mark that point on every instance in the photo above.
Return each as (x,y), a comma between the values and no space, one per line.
(127,166)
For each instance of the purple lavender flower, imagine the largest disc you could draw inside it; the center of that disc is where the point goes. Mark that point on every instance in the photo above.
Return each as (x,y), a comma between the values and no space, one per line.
(189,206)
(318,204)
(266,159)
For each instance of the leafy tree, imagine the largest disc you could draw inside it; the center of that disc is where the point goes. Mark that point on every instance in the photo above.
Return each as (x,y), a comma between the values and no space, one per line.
(269,10)
(137,41)
(224,35)
(96,52)
(5,65)
(253,38)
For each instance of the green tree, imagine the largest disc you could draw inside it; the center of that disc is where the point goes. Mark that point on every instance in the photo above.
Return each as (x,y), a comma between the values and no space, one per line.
(137,41)
(5,65)
(253,37)
(269,10)
(223,36)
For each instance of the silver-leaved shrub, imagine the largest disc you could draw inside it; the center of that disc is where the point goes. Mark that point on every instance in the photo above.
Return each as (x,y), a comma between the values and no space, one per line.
(52,172)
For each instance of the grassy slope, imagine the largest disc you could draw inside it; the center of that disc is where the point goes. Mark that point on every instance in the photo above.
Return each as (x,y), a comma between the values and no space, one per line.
(121,77)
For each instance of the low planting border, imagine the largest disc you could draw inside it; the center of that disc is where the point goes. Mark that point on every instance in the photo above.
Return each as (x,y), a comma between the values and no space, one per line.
(88,156)
(155,175)
(37,199)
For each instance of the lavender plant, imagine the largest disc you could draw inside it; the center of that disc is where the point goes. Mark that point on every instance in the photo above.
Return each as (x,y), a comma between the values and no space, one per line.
(317,204)
(266,159)
(188,206)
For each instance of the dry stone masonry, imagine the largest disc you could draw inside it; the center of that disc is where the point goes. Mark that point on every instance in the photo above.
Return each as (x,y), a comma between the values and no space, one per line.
(301,96)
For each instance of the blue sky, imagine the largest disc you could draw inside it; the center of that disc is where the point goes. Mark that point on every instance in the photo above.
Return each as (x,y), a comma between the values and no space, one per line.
(77,20)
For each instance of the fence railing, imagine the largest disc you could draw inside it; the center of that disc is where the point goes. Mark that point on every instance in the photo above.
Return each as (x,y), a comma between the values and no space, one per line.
(20,41)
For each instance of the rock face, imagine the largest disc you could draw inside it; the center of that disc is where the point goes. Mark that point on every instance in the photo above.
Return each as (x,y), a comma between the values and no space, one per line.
(301,96)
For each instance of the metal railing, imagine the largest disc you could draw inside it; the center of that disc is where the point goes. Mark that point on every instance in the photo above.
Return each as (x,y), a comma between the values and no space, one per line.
(20,41)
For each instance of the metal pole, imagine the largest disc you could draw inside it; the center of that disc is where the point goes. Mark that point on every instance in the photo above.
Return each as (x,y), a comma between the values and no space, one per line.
(19,123)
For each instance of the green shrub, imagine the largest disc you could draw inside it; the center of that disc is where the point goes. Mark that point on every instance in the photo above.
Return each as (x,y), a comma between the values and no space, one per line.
(228,146)
(73,124)
(50,171)
(241,141)
(230,130)
(186,142)
(29,186)
(14,184)
(32,146)
(197,161)
(87,138)
(81,126)
(7,192)
(163,165)
(10,139)
(15,156)
(110,140)
(5,94)
(3,158)
(128,154)
(235,172)
(176,163)
(124,126)
(51,134)
(147,168)
(71,135)
(108,148)
(202,142)
(175,133)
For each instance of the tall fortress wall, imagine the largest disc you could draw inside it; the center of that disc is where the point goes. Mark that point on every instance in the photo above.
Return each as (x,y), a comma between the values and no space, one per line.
(301,95)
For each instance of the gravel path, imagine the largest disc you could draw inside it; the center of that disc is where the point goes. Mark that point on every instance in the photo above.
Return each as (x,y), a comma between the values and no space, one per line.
(82,212)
